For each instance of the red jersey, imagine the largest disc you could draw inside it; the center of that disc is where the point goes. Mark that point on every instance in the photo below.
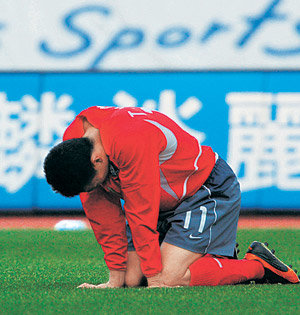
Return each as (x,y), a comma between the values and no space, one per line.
(159,165)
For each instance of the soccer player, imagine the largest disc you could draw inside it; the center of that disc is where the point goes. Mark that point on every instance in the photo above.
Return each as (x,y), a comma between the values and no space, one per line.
(176,193)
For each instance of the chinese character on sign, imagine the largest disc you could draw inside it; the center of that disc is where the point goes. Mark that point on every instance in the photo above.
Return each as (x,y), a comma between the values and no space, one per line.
(28,129)
(167,106)
(264,139)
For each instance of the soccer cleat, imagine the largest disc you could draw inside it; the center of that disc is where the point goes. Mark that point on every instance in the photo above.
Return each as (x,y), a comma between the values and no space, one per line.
(275,270)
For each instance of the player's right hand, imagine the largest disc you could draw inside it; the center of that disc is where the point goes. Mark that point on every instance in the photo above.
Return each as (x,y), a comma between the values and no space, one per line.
(99,286)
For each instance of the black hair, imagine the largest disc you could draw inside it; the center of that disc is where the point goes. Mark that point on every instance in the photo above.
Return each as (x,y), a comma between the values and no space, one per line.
(68,167)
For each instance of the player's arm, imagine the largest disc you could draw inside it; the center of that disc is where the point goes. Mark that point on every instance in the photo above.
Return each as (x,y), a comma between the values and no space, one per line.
(108,223)
(106,219)
(140,183)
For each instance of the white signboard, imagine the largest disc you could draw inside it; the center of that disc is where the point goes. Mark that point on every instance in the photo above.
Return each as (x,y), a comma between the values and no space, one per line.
(149,35)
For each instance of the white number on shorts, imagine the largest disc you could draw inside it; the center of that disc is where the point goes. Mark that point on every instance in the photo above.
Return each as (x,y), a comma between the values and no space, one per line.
(203,218)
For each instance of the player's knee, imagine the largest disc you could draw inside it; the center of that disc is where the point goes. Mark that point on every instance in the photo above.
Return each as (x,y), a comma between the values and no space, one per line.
(132,280)
(134,275)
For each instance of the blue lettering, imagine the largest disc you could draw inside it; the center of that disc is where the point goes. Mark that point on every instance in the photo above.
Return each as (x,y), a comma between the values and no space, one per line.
(213,28)
(173,37)
(256,22)
(70,25)
(284,52)
(127,38)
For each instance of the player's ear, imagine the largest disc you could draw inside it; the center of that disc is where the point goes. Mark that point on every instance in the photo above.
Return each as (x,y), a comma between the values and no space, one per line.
(96,159)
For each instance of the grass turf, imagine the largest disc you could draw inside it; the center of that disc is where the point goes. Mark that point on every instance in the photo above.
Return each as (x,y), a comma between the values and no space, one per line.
(39,272)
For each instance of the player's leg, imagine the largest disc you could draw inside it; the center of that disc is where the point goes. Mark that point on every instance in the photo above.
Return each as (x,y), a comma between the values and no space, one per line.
(206,223)
(134,276)
(176,262)
(265,267)
(183,268)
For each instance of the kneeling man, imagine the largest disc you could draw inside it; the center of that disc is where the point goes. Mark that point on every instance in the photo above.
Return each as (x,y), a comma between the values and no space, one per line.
(181,201)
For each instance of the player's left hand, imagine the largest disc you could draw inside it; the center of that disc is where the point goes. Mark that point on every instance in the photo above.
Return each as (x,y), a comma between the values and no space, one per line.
(156,281)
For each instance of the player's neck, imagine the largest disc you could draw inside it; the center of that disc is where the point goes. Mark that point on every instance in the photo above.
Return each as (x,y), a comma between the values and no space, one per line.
(94,135)
(91,132)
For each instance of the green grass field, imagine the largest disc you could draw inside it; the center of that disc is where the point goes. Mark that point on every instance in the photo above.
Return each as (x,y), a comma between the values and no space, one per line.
(39,272)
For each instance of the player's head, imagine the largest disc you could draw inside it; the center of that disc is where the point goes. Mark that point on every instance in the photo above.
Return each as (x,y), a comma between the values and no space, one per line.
(75,166)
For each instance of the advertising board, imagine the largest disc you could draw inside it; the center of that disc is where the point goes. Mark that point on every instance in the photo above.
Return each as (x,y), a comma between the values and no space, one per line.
(82,35)
(251,119)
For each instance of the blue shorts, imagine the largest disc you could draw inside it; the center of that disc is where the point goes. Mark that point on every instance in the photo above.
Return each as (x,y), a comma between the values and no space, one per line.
(207,221)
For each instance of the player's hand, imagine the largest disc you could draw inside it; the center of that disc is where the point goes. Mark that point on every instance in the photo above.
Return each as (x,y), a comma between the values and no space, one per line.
(116,280)
(98,286)
(155,281)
